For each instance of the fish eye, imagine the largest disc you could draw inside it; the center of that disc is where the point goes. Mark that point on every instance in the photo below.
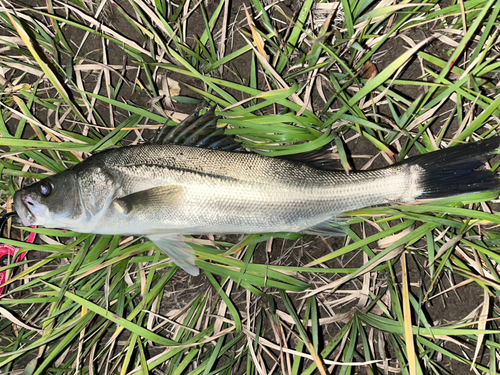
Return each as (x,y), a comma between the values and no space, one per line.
(45,189)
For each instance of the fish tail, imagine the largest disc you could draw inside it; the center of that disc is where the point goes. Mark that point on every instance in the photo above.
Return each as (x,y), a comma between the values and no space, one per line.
(456,170)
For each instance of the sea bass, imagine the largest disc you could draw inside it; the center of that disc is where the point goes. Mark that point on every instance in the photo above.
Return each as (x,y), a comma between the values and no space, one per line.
(164,191)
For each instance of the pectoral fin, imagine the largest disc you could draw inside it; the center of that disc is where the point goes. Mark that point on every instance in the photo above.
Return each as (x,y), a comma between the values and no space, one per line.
(158,198)
(179,251)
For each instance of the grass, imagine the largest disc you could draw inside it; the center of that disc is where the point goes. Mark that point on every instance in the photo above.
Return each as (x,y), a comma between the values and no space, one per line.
(84,77)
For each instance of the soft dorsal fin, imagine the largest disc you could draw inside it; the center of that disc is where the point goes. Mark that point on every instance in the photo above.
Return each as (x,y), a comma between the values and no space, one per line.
(198,131)
(320,158)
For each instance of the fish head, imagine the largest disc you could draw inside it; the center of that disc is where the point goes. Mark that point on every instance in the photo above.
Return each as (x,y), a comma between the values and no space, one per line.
(48,201)
(74,199)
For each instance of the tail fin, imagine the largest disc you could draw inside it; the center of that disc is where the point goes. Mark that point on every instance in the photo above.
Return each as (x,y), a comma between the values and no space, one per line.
(454,171)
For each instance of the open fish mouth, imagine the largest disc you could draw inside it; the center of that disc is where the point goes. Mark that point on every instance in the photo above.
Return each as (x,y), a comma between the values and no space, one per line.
(23,210)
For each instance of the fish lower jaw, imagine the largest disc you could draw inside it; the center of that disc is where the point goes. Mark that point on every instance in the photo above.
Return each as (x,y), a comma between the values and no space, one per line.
(25,219)
(30,218)
(23,211)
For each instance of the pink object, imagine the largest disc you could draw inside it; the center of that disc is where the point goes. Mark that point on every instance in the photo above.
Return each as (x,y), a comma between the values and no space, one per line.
(7,253)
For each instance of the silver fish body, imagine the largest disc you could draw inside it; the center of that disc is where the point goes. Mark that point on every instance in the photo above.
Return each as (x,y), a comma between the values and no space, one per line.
(189,190)
(161,191)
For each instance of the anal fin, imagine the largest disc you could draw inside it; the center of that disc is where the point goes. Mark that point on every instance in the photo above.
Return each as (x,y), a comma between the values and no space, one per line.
(331,227)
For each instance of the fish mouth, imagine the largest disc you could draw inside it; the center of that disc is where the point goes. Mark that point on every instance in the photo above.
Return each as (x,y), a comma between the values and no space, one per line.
(21,205)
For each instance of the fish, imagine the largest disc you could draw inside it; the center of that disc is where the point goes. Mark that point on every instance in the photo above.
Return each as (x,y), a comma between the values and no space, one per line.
(164,191)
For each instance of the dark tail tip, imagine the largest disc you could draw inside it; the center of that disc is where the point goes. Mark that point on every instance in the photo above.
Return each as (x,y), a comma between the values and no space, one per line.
(454,171)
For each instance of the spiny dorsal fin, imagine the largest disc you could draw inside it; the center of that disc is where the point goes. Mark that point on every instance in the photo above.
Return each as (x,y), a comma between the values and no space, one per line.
(198,131)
